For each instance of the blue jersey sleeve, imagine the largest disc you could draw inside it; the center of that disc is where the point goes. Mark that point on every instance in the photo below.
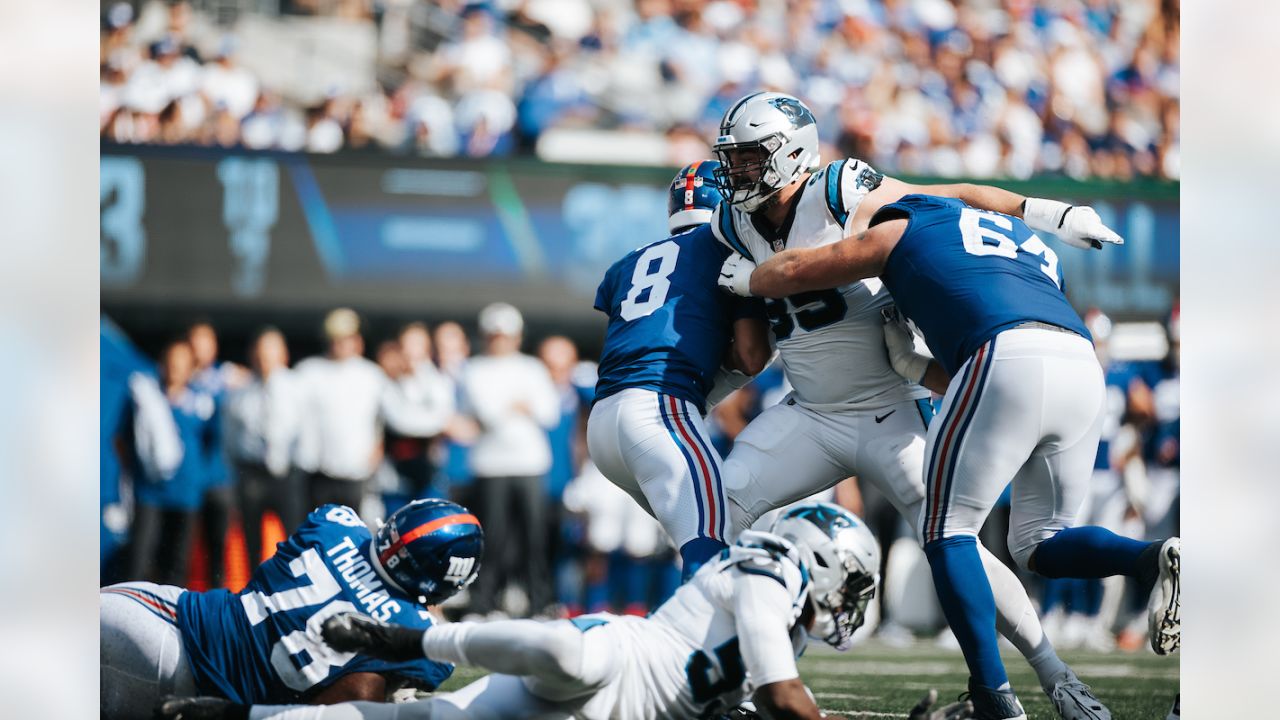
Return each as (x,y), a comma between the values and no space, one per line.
(604,293)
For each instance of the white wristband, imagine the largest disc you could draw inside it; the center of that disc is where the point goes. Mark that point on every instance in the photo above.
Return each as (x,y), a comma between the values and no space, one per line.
(1044,215)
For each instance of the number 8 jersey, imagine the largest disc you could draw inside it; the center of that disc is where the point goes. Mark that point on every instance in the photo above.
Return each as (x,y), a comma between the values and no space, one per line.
(831,342)
(669,323)
(263,644)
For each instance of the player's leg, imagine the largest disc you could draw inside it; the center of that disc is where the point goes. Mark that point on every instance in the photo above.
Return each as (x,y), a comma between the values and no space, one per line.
(981,437)
(141,654)
(663,449)
(552,658)
(1049,491)
(778,459)
(892,459)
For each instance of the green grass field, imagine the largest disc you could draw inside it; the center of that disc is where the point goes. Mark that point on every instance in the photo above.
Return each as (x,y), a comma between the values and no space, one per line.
(877,681)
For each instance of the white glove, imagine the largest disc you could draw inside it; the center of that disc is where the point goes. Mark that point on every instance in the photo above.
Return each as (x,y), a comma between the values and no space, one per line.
(735,275)
(900,342)
(1076,225)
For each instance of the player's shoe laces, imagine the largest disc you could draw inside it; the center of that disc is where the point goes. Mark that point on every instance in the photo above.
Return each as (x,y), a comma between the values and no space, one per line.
(1164,610)
(991,704)
(1075,701)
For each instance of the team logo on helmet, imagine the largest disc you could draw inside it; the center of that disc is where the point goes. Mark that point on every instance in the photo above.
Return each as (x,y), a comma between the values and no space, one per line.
(798,114)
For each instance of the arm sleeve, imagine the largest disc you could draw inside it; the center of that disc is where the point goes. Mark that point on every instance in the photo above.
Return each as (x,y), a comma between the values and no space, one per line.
(546,401)
(604,293)
(155,433)
(409,416)
(762,609)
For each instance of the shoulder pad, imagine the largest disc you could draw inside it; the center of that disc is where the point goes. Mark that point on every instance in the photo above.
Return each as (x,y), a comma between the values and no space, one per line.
(760,553)
(722,226)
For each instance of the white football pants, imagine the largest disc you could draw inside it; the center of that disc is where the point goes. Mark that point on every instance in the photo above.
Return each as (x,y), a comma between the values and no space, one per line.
(656,447)
(790,452)
(1027,408)
(142,658)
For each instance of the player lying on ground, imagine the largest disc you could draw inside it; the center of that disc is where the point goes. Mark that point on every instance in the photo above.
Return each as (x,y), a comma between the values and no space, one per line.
(850,413)
(737,625)
(263,644)
(1024,403)
(670,332)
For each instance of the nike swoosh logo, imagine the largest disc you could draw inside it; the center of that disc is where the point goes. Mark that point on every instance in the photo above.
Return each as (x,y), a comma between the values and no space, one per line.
(880,418)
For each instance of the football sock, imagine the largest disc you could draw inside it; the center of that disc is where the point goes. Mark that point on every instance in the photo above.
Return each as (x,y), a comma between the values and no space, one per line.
(969,605)
(1017,621)
(696,552)
(1090,552)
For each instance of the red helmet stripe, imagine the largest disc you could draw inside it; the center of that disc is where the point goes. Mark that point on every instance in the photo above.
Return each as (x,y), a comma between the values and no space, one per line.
(426,528)
(688,184)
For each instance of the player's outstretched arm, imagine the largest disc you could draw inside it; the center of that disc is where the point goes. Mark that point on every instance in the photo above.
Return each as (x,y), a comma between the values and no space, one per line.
(1077,225)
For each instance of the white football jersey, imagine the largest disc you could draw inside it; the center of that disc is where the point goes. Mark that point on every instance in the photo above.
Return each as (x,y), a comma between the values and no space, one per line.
(730,629)
(831,342)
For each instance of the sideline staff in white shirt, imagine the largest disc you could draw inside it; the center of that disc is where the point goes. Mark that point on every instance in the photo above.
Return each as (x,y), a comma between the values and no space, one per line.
(511,396)
(261,428)
(345,399)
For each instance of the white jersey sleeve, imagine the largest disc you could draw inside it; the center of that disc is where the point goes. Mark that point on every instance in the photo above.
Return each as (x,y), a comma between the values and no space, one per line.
(847,182)
(762,609)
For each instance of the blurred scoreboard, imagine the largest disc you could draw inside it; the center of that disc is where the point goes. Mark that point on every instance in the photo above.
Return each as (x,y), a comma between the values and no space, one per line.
(203,228)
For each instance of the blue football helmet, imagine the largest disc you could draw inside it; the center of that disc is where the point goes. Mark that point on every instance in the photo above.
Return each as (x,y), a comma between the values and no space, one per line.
(430,548)
(695,193)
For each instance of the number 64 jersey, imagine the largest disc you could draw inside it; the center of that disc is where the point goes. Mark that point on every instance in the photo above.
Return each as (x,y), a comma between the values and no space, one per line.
(263,645)
(831,342)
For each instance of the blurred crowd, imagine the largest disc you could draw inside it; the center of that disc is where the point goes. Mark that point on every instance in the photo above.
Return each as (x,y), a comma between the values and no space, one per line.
(197,450)
(976,88)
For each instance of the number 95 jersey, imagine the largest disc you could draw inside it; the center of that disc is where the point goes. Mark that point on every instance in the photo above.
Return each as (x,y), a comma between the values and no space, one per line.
(831,342)
(263,644)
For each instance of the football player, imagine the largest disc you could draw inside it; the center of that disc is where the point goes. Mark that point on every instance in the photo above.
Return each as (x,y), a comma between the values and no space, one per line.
(850,413)
(263,644)
(737,626)
(1024,403)
(670,331)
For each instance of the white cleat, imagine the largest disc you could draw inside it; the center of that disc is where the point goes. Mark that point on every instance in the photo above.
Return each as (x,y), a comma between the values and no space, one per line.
(1164,610)
(1075,701)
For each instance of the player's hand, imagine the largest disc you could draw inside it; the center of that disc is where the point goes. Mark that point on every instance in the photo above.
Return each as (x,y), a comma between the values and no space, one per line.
(352,632)
(900,342)
(735,275)
(172,707)
(955,711)
(1076,225)
(1082,228)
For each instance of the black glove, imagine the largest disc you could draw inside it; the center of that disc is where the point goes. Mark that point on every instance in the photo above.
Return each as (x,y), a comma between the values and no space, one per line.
(352,632)
(172,707)
(954,711)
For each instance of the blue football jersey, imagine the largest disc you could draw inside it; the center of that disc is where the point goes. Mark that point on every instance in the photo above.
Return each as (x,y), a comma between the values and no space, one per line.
(263,644)
(963,275)
(669,323)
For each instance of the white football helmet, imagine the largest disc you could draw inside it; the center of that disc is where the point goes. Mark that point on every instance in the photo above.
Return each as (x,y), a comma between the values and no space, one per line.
(767,141)
(843,560)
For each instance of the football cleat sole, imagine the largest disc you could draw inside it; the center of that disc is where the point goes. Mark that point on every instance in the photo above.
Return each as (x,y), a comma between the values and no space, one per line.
(1164,610)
